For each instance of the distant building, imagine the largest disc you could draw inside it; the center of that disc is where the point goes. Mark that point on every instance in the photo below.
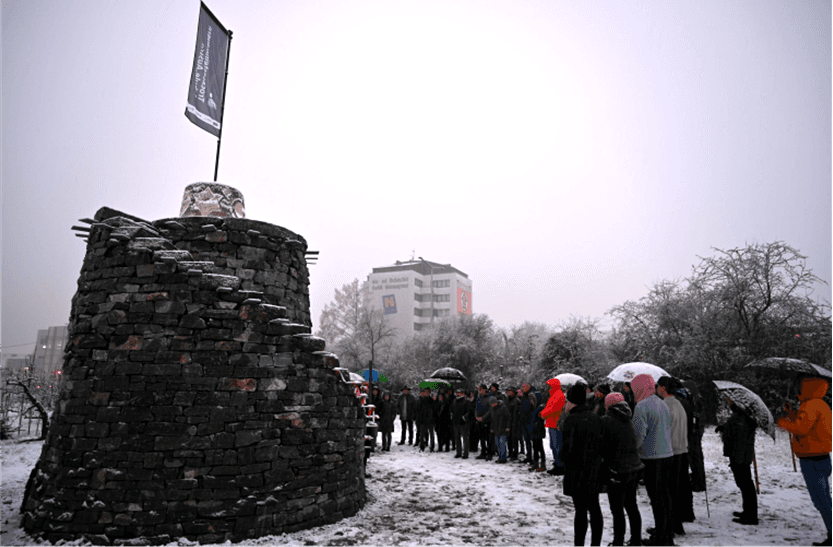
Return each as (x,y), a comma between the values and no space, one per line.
(415,293)
(49,350)
(14,363)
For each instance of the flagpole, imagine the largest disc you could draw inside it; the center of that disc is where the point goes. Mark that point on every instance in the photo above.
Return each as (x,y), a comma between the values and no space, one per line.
(222,109)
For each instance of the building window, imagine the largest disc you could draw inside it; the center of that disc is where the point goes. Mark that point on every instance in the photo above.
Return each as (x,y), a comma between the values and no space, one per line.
(442,298)
(440,283)
(422,297)
(418,282)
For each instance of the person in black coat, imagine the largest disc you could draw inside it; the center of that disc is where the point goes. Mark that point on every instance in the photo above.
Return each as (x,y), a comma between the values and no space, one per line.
(425,420)
(536,431)
(621,458)
(406,408)
(738,434)
(526,411)
(483,425)
(461,422)
(442,408)
(582,458)
(386,410)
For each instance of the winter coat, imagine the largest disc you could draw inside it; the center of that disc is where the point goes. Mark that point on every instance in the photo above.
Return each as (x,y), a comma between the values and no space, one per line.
(482,408)
(599,406)
(555,404)
(581,451)
(683,396)
(652,422)
(810,426)
(459,411)
(679,426)
(619,451)
(442,413)
(424,414)
(537,427)
(497,395)
(738,434)
(386,410)
(500,419)
(406,406)
(513,405)
(526,406)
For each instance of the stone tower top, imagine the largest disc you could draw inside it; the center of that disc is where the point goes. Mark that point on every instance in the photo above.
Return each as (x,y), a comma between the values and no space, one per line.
(210,199)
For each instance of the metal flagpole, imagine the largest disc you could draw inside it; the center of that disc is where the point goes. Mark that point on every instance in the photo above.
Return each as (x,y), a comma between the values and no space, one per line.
(222,109)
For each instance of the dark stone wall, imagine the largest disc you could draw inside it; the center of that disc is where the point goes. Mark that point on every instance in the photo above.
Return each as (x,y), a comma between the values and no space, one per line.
(195,402)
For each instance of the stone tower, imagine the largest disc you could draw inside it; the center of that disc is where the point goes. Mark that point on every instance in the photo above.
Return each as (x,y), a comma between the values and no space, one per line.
(195,401)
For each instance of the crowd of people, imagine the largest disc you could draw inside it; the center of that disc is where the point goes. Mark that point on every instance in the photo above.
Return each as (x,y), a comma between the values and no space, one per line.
(604,441)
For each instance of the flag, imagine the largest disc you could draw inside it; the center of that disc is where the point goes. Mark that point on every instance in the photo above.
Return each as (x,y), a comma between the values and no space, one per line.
(463,300)
(389,303)
(208,75)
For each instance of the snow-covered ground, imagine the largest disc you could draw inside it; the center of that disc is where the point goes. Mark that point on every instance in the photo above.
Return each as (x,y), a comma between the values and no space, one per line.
(428,498)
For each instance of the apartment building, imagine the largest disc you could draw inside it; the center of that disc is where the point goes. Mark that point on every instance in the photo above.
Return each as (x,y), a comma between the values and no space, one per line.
(415,293)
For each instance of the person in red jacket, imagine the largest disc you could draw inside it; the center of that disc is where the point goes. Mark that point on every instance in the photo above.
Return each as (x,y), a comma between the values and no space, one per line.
(550,414)
(811,430)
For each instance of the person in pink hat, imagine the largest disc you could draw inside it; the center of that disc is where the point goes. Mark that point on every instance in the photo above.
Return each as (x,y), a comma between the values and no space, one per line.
(621,457)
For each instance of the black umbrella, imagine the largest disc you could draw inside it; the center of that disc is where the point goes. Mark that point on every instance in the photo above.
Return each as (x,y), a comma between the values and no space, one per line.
(448,373)
(750,403)
(790,365)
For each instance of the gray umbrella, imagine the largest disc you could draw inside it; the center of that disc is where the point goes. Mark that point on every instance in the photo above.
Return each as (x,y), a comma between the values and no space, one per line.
(750,403)
(790,365)
(449,373)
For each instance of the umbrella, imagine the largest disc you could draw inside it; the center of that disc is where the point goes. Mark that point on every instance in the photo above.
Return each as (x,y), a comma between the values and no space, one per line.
(567,380)
(749,402)
(628,371)
(448,373)
(433,383)
(353,377)
(787,364)
(794,367)
(377,376)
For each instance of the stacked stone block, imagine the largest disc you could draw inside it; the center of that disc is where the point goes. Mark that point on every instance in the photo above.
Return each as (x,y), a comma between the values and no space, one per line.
(195,402)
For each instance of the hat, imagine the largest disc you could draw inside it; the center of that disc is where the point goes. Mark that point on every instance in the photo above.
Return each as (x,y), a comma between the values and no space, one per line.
(577,394)
(510,388)
(482,386)
(669,383)
(491,400)
(494,385)
(643,386)
(602,388)
(459,390)
(613,398)
(406,387)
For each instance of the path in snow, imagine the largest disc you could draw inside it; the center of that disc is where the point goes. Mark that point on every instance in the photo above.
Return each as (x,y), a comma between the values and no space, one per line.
(423,498)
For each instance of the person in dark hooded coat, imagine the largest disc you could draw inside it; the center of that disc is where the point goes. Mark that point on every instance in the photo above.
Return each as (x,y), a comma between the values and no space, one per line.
(621,457)
(537,431)
(386,410)
(582,458)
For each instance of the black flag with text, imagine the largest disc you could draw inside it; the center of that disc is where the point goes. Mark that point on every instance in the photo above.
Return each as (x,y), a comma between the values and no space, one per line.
(205,95)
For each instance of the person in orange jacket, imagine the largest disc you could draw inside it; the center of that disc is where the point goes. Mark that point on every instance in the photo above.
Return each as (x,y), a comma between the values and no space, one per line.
(550,414)
(810,427)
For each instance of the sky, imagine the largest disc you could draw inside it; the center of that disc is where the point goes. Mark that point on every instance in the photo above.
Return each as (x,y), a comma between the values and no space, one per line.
(564,155)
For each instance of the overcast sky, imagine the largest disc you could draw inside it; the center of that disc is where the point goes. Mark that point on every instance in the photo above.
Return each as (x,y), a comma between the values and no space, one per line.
(565,155)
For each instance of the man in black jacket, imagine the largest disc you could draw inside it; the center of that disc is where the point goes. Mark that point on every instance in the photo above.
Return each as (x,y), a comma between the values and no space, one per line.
(513,405)
(406,407)
(481,411)
(460,421)
(425,420)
